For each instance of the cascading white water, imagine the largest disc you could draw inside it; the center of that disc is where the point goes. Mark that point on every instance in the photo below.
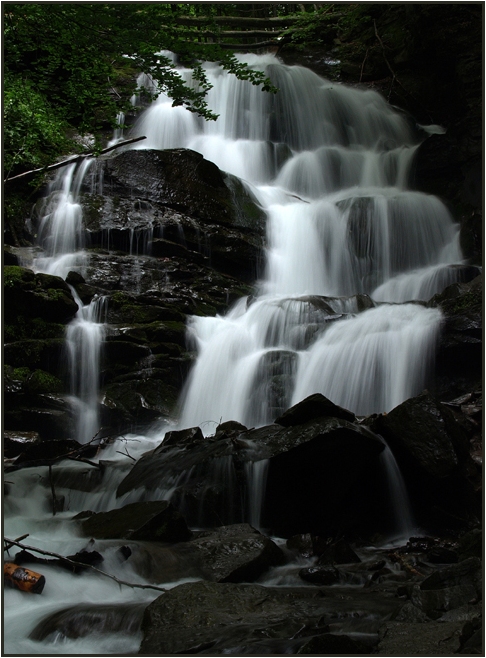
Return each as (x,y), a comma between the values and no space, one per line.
(84,336)
(330,165)
(61,238)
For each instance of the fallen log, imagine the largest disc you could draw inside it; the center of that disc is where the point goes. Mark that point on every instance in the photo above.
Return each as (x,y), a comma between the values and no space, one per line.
(14,542)
(23,579)
(75,158)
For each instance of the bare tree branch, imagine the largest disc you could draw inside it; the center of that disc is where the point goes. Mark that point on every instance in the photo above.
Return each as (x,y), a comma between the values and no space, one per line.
(75,158)
(13,542)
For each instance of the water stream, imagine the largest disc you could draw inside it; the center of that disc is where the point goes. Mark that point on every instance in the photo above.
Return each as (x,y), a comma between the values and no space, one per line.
(351,252)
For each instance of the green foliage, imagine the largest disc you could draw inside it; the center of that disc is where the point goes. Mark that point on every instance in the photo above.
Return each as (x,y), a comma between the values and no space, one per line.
(73,66)
(33,134)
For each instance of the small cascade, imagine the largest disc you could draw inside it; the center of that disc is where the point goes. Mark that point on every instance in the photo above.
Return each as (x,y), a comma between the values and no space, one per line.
(404,524)
(256,478)
(61,236)
(60,233)
(84,337)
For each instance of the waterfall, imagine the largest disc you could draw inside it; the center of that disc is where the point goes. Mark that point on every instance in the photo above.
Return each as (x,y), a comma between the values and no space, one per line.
(331,167)
(84,336)
(402,511)
(60,237)
(351,253)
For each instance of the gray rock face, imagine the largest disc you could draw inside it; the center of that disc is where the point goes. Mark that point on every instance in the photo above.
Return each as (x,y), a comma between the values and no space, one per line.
(449,588)
(184,203)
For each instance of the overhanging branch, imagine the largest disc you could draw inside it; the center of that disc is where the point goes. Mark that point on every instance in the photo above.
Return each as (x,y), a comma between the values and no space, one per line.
(75,158)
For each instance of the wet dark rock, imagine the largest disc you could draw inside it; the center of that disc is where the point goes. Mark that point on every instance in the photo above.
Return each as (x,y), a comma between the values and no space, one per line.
(236,553)
(432,451)
(471,544)
(426,431)
(48,451)
(229,428)
(293,495)
(86,619)
(315,406)
(320,575)
(459,359)
(441,555)
(467,612)
(449,588)
(29,295)
(15,442)
(334,645)
(227,618)
(301,543)
(152,521)
(338,552)
(180,179)
(191,436)
(454,575)
(411,614)
(399,638)
(49,415)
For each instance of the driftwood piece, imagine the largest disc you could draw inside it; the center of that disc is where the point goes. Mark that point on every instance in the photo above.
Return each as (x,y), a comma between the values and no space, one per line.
(13,542)
(23,579)
(396,557)
(75,158)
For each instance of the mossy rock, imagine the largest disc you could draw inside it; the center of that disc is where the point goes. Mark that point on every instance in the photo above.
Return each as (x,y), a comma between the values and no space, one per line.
(37,381)
(32,295)
(22,328)
(141,400)
(43,354)
(14,275)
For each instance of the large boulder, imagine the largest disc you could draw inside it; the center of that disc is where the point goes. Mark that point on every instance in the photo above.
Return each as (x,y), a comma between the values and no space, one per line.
(174,203)
(449,588)
(179,179)
(227,618)
(223,477)
(236,553)
(29,296)
(432,451)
